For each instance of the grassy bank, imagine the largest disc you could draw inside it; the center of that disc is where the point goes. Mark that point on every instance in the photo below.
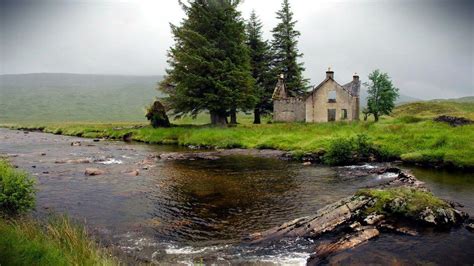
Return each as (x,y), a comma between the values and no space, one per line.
(412,138)
(58,242)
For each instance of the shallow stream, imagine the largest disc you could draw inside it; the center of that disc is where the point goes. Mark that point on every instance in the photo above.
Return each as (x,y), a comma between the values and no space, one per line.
(198,211)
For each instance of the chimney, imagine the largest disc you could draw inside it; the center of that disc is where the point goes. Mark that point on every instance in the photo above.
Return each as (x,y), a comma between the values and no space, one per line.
(355,78)
(329,73)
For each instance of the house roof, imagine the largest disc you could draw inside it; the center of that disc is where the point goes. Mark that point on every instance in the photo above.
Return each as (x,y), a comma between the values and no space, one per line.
(352,87)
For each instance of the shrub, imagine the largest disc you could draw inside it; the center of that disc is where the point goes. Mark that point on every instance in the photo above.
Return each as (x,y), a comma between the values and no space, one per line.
(17,193)
(340,152)
(156,113)
(349,150)
(363,147)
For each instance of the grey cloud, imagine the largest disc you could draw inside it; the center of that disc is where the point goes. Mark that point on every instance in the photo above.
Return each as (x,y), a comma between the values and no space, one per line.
(426,46)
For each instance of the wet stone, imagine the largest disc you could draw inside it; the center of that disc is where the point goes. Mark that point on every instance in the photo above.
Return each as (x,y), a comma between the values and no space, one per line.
(93,172)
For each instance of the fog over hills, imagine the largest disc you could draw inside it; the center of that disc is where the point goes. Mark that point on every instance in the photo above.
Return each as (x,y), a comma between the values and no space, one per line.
(75,97)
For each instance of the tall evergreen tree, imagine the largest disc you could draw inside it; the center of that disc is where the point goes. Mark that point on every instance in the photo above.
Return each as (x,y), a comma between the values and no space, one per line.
(285,50)
(260,61)
(209,62)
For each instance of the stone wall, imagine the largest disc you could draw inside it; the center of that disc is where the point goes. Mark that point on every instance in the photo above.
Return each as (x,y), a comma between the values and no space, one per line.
(289,110)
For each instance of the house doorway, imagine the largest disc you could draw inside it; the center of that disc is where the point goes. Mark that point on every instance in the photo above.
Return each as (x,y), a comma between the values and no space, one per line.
(331,115)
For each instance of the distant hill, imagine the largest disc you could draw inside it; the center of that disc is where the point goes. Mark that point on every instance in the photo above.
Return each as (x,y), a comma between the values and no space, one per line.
(468,99)
(75,97)
(401,99)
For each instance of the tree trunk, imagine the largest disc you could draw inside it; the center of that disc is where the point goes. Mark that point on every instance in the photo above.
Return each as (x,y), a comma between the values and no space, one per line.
(256,116)
(218,119)
(233,116)
(376,116)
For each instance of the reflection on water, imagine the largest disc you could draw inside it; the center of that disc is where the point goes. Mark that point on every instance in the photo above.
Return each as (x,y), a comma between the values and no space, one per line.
(187,211)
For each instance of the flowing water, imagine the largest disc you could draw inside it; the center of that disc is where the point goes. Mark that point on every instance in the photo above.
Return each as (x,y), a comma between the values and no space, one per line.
(198,211)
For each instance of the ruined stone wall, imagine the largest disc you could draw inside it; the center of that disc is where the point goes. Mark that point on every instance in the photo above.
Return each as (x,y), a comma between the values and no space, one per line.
(289,110)
(317,103)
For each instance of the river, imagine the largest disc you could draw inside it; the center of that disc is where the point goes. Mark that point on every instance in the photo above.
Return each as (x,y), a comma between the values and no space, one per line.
(197,211)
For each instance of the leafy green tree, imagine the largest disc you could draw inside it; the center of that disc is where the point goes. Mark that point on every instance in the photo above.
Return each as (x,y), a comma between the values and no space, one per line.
(209,62)
(381,94)
(260,61)
(285,50)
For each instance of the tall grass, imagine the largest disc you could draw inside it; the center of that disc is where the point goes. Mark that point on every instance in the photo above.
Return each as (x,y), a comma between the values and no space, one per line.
(58,242)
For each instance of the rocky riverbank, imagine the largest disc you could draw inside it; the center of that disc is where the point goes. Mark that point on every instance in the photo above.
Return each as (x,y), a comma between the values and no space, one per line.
(402,205)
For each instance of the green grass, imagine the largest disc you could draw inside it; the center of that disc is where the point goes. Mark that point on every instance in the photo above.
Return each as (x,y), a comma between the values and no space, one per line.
(414,201)
(58,242)
(406,135)
(17,192)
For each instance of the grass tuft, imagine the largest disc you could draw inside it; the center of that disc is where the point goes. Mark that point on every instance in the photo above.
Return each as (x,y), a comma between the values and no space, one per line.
(58,242)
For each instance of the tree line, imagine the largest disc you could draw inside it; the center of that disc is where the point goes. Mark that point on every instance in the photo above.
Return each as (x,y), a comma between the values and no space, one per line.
(222,64)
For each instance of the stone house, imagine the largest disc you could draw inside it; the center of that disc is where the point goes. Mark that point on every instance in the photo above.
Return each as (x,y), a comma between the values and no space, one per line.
(329,101)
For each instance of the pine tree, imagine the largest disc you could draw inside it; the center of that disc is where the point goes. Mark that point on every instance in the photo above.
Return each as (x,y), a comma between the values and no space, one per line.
(260,60)
(285,50)
(209,62)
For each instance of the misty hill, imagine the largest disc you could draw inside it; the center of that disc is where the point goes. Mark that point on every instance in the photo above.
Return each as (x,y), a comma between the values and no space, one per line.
(75,97)
(467,99)
(401,99)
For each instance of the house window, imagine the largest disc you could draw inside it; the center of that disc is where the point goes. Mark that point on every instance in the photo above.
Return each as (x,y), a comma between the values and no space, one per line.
(344,114)
(332,97)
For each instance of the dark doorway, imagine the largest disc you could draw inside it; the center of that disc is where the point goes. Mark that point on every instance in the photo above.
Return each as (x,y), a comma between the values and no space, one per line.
(344,114)
(331,114)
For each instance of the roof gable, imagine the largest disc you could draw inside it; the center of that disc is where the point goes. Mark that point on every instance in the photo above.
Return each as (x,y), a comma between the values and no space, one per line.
(352,88)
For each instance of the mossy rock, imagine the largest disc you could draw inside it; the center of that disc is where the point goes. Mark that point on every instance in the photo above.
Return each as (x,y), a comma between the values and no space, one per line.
(412,204)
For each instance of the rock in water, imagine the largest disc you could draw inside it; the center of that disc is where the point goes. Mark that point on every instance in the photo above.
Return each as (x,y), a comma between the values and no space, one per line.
(156,114)
(135,172)
(76,143)
(93,172)
(347,242)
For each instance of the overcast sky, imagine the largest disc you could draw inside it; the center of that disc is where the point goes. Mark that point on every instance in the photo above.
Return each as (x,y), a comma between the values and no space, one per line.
(426,46)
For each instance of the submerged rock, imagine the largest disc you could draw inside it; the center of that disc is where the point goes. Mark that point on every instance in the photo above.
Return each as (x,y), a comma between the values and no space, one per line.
(470,226)
(135,172)
(347,242)
(73,161)
(93,172)
(76,143)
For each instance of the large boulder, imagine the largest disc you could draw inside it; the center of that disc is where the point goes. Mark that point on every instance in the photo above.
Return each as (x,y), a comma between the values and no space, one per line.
(156,114)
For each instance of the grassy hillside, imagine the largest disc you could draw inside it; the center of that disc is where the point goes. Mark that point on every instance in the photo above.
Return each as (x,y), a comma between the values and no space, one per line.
(467,99)
(73,97)
(436,108)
